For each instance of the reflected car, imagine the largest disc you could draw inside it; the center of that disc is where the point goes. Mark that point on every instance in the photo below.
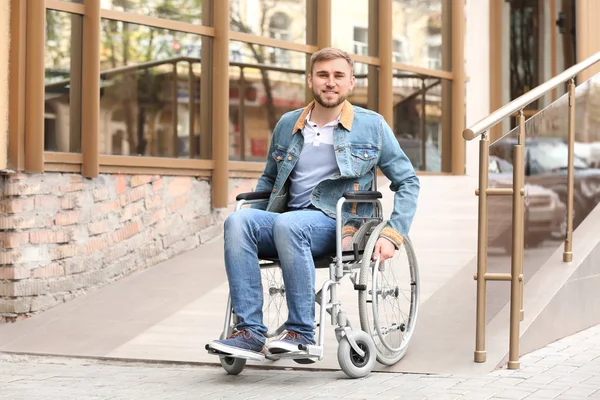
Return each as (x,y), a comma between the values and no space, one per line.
(544,211)
(546,161)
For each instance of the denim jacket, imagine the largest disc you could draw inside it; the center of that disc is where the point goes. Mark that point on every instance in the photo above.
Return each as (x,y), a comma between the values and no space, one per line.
(362,140)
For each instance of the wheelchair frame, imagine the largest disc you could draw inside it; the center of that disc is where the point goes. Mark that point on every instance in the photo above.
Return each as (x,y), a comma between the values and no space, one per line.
(353,344)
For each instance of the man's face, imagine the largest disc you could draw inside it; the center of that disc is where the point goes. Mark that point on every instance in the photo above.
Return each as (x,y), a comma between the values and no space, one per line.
(331,82)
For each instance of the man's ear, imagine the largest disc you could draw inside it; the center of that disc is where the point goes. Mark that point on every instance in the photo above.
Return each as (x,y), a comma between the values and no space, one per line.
(309,80)
(352,82)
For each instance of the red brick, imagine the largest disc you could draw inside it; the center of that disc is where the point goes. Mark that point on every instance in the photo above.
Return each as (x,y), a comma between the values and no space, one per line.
(17,176)
(72,187)
(98,227)
(19,188)
(10,257)
(121,184)
(17,222)
(153,202)
(14,273)
(101,194)
(48,236)
(47,203)
(97,243)
(48,271)
(11,240)
(16,205)
(137,193)
(126,232)
(65,251)
(71,201)
(105,208)
(179,185)
(178,203)
(138,180)
(67,218)
(132,210)
(157,185)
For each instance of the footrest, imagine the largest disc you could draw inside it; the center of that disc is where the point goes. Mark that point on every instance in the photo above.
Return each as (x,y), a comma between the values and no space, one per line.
(311,351)
(222,353)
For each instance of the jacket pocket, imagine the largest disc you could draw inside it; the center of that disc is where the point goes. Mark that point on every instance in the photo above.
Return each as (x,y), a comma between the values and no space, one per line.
(364,158)
(278,155)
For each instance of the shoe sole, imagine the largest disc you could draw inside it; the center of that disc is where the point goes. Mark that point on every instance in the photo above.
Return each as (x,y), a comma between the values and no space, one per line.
(235,352)
(279,348)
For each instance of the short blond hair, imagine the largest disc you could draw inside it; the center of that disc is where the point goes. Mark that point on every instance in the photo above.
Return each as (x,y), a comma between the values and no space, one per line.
(330,53)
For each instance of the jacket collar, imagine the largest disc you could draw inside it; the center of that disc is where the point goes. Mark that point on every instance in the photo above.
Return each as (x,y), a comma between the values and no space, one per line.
(346,117)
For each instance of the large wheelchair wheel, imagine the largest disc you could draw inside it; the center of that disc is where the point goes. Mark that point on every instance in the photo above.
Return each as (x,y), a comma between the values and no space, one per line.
(388,301)
(275,310)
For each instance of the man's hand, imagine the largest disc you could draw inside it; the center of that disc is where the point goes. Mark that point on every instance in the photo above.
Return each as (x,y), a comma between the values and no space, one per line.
(384,249)
(345,242)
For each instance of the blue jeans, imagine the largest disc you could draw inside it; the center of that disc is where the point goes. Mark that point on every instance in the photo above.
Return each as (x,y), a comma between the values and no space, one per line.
(294,237)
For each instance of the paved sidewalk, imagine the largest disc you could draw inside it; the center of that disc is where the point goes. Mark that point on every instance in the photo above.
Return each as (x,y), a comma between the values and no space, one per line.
(567,369)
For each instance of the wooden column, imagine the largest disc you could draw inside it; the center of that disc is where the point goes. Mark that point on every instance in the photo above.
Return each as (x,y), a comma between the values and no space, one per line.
(90,98)
(323,23)
(16,91)
(220,111)
(34,86)
(458,86)
(588,35)
(385,98)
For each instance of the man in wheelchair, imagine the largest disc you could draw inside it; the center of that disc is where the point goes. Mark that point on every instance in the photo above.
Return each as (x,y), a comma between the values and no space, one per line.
(316,154)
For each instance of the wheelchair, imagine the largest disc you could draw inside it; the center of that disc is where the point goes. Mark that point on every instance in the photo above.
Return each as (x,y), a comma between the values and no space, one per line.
(388,297)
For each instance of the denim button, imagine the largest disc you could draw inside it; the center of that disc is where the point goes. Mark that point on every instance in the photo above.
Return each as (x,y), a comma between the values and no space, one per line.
(274,190)
(290,158)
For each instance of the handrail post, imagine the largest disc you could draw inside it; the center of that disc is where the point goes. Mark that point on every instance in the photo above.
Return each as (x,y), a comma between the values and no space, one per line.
(517,245)
(482,233)
(568,249)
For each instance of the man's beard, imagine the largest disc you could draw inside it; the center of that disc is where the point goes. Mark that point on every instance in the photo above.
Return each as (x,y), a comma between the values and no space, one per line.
(319,99)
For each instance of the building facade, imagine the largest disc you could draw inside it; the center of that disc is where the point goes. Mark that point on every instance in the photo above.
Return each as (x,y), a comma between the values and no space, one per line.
(130,126)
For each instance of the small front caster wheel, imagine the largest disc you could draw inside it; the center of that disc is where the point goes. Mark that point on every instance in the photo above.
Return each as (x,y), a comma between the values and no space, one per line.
(353,364)
(232,365)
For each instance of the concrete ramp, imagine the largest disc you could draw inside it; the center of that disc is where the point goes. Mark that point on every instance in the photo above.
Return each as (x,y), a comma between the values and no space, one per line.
(560,299)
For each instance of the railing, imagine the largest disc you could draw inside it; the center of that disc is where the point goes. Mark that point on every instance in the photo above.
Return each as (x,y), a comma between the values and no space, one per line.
(517,192)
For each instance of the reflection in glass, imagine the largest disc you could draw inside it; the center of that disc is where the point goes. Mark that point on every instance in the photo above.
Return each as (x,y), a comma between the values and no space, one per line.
(365,89)
(151,92)
(62,124)
(417,29)
(418,123)
(349,26)
(261,90)
(177,10)
(546,160)
(282,20)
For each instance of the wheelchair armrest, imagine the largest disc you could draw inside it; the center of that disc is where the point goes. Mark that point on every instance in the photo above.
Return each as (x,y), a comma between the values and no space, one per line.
(363,195)
(253,196)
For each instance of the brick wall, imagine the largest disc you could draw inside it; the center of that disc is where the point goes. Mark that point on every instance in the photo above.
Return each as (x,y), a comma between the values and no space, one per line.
(63,235)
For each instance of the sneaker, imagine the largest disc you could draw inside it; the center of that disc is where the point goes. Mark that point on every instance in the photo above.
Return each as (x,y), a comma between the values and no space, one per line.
(240,344)
(288,343)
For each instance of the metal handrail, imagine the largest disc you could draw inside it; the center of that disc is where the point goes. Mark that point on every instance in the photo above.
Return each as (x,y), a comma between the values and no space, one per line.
(522,101)
(518,205)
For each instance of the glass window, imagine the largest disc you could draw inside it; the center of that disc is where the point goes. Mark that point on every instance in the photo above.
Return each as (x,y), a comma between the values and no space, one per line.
(62,116)
(350,19)
(364,93)
(418,120)
(177,10)
(283,19)
(151,92)
(417,30)
(264,83)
